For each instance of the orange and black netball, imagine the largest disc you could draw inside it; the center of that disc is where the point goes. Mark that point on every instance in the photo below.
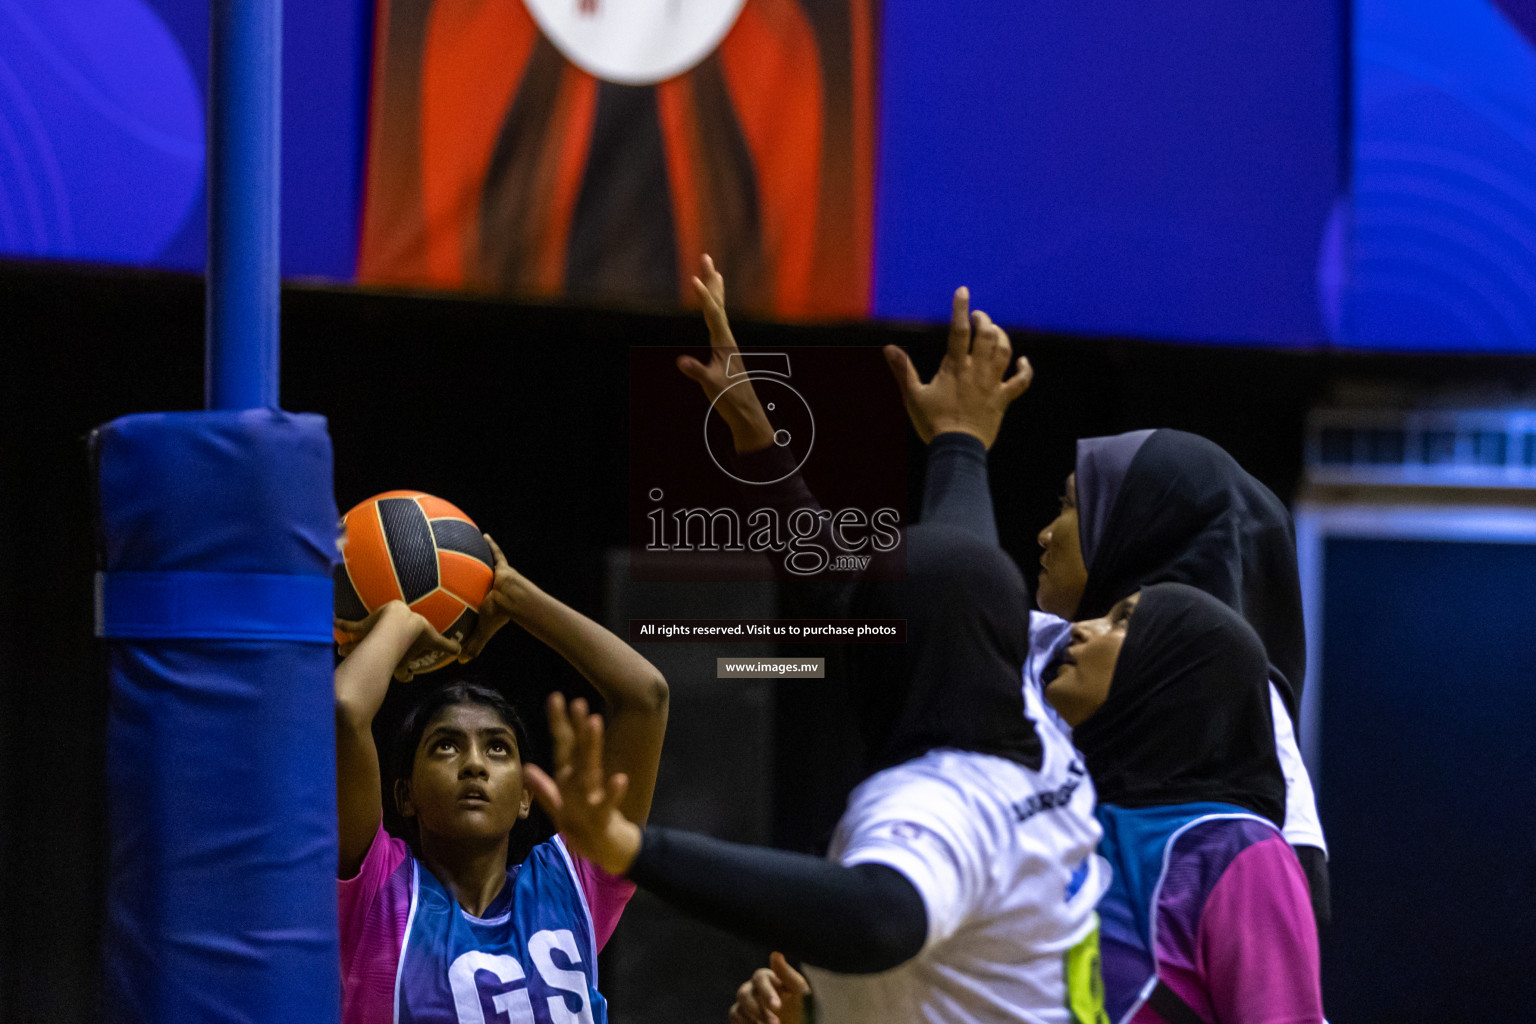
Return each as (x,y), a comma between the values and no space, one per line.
(412,547)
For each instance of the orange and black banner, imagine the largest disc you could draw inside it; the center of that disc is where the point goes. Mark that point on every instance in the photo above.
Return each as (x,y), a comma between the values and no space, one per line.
(592,149)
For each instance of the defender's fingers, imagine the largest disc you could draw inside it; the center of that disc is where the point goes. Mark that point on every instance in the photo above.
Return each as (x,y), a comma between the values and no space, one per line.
(575,723)
(765,987)
(544,790)
(746,1000)
(706,297)
(693,369)
(902,369)
(990,339)
(616,788)
(590,754)
(561,736)
(715,317)
(960,323)
(791,979)
(1004,345)
(747,1009)
(1019,383)
(714,278)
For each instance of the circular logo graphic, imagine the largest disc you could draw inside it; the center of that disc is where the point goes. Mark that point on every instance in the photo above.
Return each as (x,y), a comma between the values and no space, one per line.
(635,42)
(794,426)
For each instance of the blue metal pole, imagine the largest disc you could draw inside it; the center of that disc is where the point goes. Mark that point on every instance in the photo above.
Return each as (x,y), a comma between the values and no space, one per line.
(244,149)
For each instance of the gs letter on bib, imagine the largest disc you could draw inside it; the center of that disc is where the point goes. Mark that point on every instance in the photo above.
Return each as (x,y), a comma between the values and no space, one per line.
(536,963)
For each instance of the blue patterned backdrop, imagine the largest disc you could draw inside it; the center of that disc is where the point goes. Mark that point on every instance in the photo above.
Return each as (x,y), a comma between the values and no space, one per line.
(101,131)
(1436,246)
(1360,173)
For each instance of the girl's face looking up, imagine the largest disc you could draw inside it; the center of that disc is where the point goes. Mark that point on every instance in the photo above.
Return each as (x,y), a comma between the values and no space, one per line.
(1088,667)
(466,780)
(1062,573)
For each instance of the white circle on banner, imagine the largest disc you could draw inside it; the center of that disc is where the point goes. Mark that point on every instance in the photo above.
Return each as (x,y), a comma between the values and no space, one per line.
(635,42)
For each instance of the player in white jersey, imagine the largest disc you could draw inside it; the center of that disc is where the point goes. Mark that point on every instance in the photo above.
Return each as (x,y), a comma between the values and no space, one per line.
(990,868)
(962,880)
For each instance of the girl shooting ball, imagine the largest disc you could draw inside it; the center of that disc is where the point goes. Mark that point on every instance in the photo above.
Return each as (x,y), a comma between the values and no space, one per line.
(442,929)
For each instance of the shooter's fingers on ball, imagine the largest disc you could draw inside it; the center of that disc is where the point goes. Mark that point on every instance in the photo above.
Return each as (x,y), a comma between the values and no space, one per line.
(496,610)
(498,560)
(359,628)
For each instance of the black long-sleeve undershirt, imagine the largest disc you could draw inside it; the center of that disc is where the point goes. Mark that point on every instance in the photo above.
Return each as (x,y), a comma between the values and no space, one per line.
(859,919)
(957,491)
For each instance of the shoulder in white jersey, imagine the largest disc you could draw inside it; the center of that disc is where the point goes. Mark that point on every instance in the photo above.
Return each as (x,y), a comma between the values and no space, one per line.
(1003,859)
(1048,636)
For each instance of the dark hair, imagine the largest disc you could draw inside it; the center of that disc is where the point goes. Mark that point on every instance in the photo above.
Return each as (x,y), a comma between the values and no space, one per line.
(443,694)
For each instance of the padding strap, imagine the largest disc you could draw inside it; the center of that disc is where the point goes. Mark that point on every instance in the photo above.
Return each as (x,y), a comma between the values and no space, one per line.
(213,606)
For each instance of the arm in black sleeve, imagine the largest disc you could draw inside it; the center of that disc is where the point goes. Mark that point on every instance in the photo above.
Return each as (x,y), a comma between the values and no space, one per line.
(854,920)
(957,491)
(1314,863)
(787,493)
(807,597)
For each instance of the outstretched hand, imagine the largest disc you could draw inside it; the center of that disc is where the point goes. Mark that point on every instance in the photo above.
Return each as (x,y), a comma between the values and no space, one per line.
(424,647)
(775,994)
(582,803)
(969,394)
(740,407)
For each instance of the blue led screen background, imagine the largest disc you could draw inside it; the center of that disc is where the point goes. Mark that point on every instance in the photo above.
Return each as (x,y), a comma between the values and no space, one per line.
(102,132)
(1437,239)
(1349,173)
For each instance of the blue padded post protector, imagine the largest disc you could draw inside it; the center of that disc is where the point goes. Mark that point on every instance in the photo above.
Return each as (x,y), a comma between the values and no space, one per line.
(218,532)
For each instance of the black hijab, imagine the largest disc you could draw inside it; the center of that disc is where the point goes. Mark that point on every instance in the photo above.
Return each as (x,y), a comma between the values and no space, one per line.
(1169,507)
(955,682)
(1187,718)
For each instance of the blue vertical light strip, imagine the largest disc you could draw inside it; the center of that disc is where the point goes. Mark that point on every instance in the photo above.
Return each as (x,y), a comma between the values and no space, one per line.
(244,167)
